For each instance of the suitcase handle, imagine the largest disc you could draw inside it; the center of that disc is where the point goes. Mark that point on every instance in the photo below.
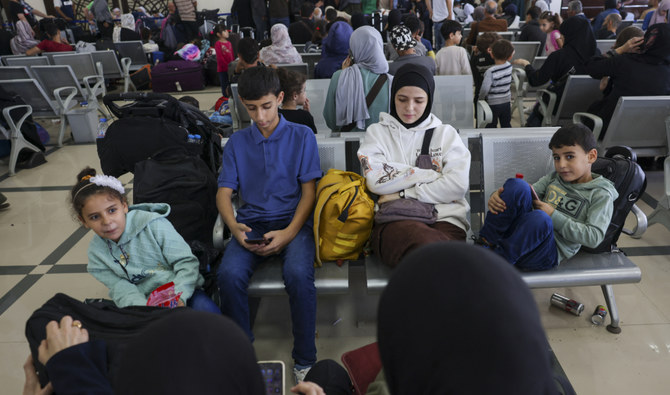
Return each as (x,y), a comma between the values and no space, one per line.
(110,99)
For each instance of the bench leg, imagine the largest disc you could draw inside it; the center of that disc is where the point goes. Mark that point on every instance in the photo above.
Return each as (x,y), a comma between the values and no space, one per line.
(608,292)
(254,304)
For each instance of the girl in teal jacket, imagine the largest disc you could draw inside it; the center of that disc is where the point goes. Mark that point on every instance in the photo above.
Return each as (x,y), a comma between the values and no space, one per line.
(135,249)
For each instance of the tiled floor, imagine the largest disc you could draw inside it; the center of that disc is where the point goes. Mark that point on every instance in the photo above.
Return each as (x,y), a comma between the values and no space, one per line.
(44,252)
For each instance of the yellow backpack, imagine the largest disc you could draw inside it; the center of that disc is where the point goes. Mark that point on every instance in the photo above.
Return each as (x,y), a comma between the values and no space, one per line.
(343,216)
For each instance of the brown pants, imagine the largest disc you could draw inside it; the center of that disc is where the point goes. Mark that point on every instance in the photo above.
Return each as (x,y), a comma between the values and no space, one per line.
(392,241)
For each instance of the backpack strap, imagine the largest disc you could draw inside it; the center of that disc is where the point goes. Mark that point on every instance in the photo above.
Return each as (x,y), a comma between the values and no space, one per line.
(371,96)
(426,141)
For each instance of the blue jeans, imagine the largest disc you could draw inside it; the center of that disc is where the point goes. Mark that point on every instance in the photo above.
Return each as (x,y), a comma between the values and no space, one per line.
(439,40)
(201,302)
(502,112)
(273,21)
(521,235)
(237,266)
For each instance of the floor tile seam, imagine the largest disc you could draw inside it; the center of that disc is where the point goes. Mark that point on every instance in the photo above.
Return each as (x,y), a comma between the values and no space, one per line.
(17,291)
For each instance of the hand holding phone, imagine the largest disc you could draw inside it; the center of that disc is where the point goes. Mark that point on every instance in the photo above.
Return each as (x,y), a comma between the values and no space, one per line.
(258,241)
(273,376)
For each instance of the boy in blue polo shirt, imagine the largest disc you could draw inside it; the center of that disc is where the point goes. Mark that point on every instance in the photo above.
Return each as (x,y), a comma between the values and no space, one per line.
(273,165)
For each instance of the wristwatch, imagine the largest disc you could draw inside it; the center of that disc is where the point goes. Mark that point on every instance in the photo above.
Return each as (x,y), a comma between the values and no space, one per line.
(401,194)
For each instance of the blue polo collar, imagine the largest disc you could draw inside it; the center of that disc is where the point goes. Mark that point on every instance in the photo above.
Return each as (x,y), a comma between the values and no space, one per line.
(279,129)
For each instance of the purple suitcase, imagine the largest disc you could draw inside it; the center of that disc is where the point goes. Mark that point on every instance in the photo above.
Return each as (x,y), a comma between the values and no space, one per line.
(177,76)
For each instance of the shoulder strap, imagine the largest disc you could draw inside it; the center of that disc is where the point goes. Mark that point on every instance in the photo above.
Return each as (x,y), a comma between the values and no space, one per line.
(426,141)
(371,96)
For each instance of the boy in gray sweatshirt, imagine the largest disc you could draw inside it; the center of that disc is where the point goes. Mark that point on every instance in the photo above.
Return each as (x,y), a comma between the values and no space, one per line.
(537,227)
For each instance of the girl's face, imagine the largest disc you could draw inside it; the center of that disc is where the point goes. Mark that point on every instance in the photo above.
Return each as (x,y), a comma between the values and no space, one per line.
(105,215)
(546,26)
(301,96)
(222,34)
(410,103)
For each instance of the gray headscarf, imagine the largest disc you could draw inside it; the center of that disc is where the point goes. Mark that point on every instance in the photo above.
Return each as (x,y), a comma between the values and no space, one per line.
(367,50)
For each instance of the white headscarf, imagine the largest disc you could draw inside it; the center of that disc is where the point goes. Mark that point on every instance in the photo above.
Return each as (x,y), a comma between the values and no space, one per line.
(367,49)
(127,22)
(282,50)
(657,17)
(542,5)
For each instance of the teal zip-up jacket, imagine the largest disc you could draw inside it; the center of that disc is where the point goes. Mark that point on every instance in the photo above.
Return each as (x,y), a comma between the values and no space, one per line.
(155,254)
(582,212)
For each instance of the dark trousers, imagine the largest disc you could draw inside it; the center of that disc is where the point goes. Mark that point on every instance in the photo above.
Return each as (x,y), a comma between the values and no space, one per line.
(393,240)
(502,112)
(521,235)
(190,29)
(223,79)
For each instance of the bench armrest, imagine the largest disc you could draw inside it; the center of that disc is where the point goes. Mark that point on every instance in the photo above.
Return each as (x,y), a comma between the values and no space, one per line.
(65,104)
(578,117)
(15,127)
(484,114)
(95,85)
(546,109)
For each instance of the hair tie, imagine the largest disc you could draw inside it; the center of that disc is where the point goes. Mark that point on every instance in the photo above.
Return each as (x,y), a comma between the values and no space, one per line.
(84,178)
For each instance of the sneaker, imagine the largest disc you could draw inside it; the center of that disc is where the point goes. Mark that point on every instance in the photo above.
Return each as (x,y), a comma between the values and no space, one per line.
(299,374)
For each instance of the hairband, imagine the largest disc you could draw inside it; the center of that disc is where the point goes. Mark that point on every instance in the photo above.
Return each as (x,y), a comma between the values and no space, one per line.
(102,181)
(84,178)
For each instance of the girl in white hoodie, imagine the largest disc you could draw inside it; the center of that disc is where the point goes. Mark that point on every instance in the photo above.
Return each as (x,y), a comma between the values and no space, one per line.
(389,160)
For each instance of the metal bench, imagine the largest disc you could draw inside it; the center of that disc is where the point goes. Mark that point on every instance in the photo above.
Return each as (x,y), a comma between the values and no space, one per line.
(605,45)
(452,101)
(504,152)
(526,50)
(316,90)
(579,93)
(642,123)
(26,61)
(302,68)
(15,73)
(311,59)
(584,269)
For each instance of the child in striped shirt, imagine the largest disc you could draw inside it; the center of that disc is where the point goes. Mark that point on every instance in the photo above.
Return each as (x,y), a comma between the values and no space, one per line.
(496,85)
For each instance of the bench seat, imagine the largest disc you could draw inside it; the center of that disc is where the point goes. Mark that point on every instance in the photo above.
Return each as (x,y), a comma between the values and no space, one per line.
(329,279)
(604,269)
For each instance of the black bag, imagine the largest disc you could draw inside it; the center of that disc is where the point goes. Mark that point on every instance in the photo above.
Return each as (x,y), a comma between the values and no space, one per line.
(619,165)
(102,319)
(183,181)
(160,109)
(28,128)
(104,44)
(142,78)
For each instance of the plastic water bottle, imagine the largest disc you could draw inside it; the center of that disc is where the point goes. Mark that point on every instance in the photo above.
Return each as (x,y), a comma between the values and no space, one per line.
(102,128)
(190,138)
(198,139)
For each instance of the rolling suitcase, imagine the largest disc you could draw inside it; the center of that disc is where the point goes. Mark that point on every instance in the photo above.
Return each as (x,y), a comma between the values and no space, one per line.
(177,76)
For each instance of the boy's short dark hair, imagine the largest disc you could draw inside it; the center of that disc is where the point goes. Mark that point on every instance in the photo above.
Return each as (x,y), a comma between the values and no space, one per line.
(449,27)
(247,49)
(331,14)
(573,134)
(502,49)
(485,40)
(257,82)
(412,23)
(190,100)
(534,12)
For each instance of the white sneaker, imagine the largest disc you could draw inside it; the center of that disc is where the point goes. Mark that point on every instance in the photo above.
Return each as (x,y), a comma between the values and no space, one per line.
(299,374)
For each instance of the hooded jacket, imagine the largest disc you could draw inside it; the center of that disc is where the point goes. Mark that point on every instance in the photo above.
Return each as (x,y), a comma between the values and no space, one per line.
(155,254)
(582,211)
(388,158)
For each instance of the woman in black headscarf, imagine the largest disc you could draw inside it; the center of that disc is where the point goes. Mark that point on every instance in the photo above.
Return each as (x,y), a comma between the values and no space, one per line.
(579,46)
(458,319)
(422,197)
(646,73)
(187,352)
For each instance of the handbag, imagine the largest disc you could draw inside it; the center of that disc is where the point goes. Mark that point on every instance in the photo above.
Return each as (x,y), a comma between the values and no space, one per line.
(411,209)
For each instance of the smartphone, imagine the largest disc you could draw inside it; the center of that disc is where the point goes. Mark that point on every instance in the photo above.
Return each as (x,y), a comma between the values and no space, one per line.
(273,376)
(261,241)
(533,193)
